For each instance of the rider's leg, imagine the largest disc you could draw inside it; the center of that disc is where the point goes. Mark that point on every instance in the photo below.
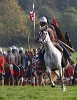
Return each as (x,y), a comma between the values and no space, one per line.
(66,53)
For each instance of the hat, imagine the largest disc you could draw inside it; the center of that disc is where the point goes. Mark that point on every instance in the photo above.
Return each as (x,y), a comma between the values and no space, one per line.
(0,49)
(9,49)
(21,48)
(17,49)
(43,19)
(13,47)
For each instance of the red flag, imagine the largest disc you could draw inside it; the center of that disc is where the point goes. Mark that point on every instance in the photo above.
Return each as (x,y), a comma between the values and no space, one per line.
(32,15)
(54,22)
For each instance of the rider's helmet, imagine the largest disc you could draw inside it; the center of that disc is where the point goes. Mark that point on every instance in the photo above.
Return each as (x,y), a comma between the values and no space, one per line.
(43,21)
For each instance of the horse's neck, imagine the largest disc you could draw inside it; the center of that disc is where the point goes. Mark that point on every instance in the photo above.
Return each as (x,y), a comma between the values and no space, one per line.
(48,45)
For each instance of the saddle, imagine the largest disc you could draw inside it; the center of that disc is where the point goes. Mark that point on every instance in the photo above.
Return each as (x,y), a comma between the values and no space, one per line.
(64,59)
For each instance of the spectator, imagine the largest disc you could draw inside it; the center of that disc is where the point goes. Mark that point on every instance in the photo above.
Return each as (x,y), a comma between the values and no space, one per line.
(2,60)
(75,75)
(10,59)
(22,54)
(68,74)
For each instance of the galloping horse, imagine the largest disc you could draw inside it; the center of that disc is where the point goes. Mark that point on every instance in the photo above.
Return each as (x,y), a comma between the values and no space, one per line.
(52,57)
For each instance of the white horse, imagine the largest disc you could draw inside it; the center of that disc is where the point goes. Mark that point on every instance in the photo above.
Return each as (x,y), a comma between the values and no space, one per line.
(52,58)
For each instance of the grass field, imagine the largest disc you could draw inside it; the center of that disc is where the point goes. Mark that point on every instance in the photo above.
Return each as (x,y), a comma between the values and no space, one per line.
(37,93)
(74,56)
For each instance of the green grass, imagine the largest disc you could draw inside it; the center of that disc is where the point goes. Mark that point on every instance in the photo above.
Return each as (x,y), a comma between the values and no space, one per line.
(74,56)
(37,93)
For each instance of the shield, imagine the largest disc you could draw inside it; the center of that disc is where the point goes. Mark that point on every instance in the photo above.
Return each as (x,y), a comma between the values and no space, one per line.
(7,70)
(21,70)
(16,70)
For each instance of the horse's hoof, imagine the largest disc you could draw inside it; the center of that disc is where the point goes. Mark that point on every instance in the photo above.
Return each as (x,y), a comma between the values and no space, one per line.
(64,90)
(52,86)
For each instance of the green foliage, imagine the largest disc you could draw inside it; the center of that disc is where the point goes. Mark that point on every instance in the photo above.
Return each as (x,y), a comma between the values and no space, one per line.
(68,22)
(13,27)
(74,56)
(62,5)
(46,11)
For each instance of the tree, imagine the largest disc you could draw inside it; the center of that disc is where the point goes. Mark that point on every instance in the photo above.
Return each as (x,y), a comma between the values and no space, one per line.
(13,28)
(68,22)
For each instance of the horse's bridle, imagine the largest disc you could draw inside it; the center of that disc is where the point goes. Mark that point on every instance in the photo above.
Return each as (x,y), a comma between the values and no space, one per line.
(42,35)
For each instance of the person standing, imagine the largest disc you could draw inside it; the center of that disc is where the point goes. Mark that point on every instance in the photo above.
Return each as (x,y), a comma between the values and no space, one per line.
(2,60)
(68,74)
(10,59)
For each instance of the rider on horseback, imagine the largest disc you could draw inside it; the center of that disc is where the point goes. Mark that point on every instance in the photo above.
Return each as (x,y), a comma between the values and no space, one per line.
(52,33)
(53,36)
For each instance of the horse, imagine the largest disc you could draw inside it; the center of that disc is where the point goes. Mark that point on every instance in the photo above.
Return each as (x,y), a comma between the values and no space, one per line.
(52,58)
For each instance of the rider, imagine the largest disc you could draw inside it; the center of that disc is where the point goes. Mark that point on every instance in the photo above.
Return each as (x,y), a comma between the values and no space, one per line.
(52,34)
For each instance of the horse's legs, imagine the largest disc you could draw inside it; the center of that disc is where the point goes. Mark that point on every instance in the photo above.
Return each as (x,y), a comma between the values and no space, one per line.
(52,82)
(49,73)
(61,79)
(53,77)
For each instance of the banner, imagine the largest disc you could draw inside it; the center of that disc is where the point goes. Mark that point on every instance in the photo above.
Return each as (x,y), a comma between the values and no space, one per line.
(54,22)
(32,16)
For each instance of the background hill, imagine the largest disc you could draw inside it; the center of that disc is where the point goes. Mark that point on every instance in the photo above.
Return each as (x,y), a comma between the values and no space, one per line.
(16,27)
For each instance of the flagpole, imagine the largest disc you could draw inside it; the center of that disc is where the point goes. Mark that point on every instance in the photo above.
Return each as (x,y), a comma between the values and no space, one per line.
(34,20)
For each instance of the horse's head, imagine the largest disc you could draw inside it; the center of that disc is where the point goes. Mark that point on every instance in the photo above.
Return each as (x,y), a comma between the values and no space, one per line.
(43,36)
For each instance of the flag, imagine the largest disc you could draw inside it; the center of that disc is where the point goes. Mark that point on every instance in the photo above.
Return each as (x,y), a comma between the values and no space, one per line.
(59,34)
(54,22)
(32,16)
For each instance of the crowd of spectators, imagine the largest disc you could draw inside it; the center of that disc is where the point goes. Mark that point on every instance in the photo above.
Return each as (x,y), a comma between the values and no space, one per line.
(22,67)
